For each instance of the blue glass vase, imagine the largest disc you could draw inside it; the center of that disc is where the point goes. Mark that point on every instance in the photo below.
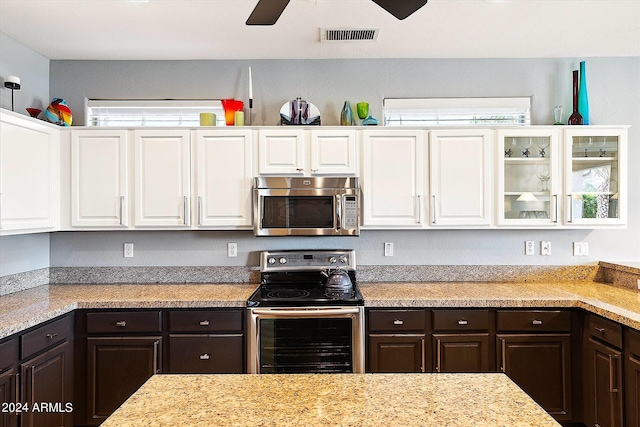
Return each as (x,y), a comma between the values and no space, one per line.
(583,98)
(346,116)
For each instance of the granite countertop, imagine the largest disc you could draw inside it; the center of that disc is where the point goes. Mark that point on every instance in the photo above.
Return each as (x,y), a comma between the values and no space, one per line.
(21,310)
(330,400)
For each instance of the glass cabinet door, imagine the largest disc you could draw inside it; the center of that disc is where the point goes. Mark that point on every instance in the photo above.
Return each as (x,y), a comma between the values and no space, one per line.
(594,187)
(528,177)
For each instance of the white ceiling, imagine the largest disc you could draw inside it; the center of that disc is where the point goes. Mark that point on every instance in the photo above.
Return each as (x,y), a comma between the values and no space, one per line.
(215,29)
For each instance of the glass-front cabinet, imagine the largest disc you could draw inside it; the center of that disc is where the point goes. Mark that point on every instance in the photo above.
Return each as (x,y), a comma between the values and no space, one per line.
(529,177)
(595,181)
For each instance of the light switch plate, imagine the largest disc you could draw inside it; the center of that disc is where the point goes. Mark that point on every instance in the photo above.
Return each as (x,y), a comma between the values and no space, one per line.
(388,249)
(545,248)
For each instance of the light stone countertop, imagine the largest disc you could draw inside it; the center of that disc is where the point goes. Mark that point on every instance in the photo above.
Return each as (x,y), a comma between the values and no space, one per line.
(21,310)
(325,400)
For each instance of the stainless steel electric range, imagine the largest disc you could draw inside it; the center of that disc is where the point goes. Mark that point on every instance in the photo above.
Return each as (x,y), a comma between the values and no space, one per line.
(307,315)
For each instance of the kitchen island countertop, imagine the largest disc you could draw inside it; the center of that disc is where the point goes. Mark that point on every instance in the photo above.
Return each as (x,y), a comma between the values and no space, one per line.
(330,400)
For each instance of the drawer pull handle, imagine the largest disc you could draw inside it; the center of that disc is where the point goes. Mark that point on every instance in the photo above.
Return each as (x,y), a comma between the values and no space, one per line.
(121,323)
(51,336)
(205,356)
(601,330)
(398,322)
(204,323)
(536,322)
(462,322)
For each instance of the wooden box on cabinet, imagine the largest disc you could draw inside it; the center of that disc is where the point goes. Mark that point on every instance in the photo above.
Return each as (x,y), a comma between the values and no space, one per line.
(396,340)
(534,349)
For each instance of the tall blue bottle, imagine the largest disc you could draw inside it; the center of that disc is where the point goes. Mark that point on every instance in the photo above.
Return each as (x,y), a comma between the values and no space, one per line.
(583,98)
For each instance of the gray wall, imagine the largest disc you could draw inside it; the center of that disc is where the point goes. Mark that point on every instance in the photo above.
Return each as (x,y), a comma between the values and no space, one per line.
(33,69)
(29,252)
(614,95)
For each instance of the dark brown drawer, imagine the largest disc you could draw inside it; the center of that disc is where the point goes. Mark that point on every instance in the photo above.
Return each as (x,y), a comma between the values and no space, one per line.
(45,336)
(206,321)
(460,320)
(534,321)
(8,354)
(632,342)
(206,354)
(396,320)
(605,330)
(124,322)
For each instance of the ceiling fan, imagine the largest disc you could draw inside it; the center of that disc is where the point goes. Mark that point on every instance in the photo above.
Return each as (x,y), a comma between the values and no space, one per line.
(267,12)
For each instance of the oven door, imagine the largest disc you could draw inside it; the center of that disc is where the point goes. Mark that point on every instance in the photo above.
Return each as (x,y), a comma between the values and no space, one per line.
(306,340)
(306,212)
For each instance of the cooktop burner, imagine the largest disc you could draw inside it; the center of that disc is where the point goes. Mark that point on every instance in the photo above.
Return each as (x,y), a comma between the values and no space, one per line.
(298,278)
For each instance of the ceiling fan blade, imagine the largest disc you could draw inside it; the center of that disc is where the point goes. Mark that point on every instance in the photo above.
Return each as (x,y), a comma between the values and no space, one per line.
(400,8)
(267,12)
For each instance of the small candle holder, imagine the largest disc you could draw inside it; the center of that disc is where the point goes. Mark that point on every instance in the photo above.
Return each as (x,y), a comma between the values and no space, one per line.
(12,83)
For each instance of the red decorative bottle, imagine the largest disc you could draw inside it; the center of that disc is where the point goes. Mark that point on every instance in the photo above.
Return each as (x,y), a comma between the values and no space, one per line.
(575,118)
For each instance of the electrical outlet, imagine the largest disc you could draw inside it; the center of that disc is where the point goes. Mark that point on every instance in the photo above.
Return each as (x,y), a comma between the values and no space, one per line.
(580,248)
(128,250)
(232,250)
(388,249)
(529,247)
(545,248)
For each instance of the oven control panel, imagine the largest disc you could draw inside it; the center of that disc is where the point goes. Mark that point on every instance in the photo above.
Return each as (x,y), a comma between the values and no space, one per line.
(307,260)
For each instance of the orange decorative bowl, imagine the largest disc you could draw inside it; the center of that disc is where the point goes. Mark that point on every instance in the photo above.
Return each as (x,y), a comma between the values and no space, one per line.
(230,107)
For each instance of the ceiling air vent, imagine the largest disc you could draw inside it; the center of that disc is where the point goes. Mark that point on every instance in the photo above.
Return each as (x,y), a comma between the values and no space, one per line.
(348,34)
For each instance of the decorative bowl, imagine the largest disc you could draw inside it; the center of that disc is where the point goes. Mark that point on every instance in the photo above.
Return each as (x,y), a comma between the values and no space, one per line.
(34,112)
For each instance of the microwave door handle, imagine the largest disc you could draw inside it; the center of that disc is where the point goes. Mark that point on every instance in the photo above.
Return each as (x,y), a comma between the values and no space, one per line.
(338,212)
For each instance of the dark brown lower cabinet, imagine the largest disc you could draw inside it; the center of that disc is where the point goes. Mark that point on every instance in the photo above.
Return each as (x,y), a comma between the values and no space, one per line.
(116,368)
(632,378)
(210,354)
(603,374)
(541,365)
(396,352)
(47,388)
(8,390)
(461,352)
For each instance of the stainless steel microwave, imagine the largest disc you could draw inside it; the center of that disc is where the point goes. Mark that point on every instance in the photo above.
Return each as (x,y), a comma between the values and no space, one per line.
(306,206)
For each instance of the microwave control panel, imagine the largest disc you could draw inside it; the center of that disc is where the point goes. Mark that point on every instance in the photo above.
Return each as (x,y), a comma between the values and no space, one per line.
(350,219)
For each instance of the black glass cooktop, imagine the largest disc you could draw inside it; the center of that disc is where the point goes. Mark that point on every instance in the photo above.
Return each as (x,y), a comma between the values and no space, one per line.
(303,295)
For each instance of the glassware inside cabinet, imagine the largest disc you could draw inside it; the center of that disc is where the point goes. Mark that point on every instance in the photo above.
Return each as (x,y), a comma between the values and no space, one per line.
(527,175)
(594,177)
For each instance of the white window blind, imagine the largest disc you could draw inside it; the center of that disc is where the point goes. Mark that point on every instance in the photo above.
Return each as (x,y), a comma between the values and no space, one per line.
(159,113)
(457,111)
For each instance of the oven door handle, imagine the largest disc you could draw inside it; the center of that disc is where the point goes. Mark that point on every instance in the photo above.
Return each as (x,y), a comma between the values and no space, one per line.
(305,312)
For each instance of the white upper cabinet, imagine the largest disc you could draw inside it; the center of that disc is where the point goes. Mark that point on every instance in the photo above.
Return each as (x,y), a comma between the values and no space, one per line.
(99,178)
(529,177)
(29,175)
(461,177)
(223,178)
(595,182)
(294,151)
(392,178)
(162,178)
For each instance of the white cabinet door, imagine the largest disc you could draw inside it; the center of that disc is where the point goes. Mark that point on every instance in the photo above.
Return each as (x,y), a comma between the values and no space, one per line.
(223,162)
(99,196)
(393,176)
(461,171)
(162,185)
(29,175)
(282,151)
(595,168)
(333,152)
(529,178)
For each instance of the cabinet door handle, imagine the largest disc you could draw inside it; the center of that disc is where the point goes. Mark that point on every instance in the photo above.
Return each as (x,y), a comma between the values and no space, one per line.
(204,323)
(419,209)
(205,356)
(155,357)
(17,387)
(433,209)
(312,170)
(570,196)
(398,322)
(463,322)
(121,323)
(555,217)
(52,336)
(600,330)
(422,359)
(536,322)
(121,210)
(299,169)
(33,385)
(186,210)
(503,363)
(612,389)
(438,358)
(199,210)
